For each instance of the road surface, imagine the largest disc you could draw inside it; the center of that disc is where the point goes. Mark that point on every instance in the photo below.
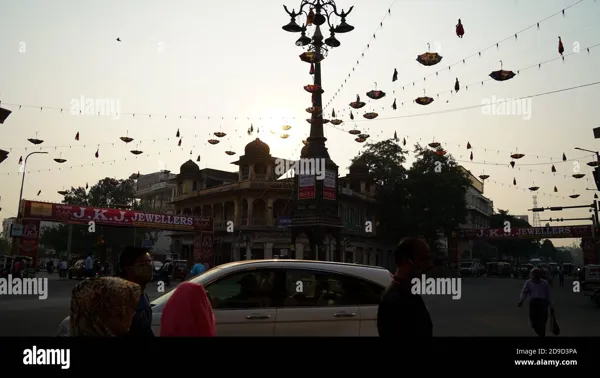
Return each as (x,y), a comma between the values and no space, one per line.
(488,307)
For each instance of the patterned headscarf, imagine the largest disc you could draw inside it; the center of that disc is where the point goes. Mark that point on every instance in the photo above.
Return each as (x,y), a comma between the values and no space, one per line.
(103,307)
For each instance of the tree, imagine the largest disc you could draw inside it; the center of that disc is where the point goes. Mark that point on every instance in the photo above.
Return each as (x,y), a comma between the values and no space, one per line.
(422,201)
(107,193)
(548,250)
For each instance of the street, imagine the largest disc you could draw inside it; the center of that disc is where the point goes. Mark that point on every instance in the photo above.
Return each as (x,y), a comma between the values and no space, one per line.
(488,307)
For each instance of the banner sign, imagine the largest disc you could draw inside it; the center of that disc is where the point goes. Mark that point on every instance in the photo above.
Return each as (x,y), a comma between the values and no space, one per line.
(589,247)
(306,186)
(329,188)
(528,232)
(53,212)
(29,242)
(208,249)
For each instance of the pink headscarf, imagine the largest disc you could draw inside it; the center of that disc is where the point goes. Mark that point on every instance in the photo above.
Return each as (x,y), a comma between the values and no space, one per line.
(188,313)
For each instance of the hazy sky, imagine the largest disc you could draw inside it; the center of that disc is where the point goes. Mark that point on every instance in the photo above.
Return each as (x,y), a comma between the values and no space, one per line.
(228,60)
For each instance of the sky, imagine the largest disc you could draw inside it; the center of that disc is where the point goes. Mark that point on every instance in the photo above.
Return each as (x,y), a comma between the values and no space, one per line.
(222,66)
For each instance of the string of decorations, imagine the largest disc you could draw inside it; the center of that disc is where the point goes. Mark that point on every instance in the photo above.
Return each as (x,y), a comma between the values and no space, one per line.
(368,45)
(429,59)
(425,100)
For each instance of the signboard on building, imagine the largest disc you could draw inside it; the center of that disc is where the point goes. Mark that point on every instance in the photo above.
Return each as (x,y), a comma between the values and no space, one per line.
(329,185)
(16,230)
(306,186)
(29,242)
(528,232)
(284,221)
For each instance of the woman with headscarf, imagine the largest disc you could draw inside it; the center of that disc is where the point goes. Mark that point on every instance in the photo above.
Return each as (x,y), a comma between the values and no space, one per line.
(103,307)
(539,291)
(188,313)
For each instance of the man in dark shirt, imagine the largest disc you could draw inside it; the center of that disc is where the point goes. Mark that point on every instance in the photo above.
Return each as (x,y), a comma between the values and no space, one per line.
(401,313)
(135,265)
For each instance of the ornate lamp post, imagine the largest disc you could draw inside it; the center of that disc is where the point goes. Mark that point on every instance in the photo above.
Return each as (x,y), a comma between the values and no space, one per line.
(316,208)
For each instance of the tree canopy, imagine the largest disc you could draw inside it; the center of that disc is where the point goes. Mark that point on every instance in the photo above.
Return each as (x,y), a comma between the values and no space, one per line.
(427,199)
(520,249)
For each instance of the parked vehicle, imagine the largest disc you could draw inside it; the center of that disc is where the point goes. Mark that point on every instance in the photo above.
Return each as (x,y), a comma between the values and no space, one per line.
(524,271)
(468,269)
(77,270)
(180,269)
(504,269)
(569,269)
(337,299)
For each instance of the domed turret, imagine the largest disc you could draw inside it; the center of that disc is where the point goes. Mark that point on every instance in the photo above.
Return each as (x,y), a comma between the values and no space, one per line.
(359,169)
(189,167)
(257,149)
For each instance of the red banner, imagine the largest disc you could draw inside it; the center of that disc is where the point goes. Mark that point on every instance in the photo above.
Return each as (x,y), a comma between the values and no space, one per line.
(29,241)
(328,193)
(528,232)
(589,247)
(53,212)
(306,187)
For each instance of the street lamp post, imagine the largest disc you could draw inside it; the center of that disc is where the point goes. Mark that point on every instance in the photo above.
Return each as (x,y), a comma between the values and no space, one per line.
(15,244)
(317,215)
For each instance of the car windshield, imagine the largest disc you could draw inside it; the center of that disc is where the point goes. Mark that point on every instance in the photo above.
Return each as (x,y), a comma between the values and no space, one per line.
(201,279)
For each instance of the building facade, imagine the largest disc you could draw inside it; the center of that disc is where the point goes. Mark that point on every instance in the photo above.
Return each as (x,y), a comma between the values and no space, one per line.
(155,191)
(6,224)
(251,210)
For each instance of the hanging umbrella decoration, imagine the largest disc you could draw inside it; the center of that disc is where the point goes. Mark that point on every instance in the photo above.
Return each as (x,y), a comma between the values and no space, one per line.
(39,192)
(460,30)
(434,144)
(395,75)
(219,134)
(512,164)
(86,186)
(579,175)
(471,156)
(394,106)
(396,137)
(514,181)
(63,192)
(35,140)
(230,153)
(404,141)
(517,156)
(97,154)
(127,139)
(456,86)
(213,141)
(429,58)
(484,177)
(364,136)
(77,136)
(354,132)
(555,189)
(284,136)
(198,158)
(336,122)
(313,88)
(357,104)
(286,127)
(502,75)
(313,110)
(468,146)
(360,140)
(351,115)
(553,169)
(424,100)
(534,188)
(375,94)
(564,157)
(371,115)
(136,152)
(561,48)
(305,142)
(574,196)
(60,160)
(593,163)
(440,152)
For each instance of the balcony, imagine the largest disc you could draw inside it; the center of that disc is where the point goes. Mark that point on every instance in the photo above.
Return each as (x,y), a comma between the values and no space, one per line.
(260,176)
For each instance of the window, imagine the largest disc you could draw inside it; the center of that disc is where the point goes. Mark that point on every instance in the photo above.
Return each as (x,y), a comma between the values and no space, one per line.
(307,288)
(195,186)
(252,289)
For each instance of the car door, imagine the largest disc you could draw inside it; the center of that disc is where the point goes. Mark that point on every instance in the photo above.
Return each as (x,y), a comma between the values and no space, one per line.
(316,304)
(244,303)
(367,295)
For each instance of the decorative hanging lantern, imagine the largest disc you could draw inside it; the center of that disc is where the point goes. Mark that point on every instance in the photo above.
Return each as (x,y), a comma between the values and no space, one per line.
(230,153)
(213,141)
(424,100)
(284,136)
(579,175)
(360,140)
(136,152)
(219,134)
(502,75)
(357,104)
(429,58)
(574,196)
(311,57)
(370,115)
(336,122)
(434,144)
(286,127)
(375,94)
(460,30)
(313,109)
(354,132)
(484,177)
(313,88)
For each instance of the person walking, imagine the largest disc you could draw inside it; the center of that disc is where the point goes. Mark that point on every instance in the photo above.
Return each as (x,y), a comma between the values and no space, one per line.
(102,307)
(135,265)
(539,291)
(188,313)
(561,276)
(198,268)
(89,266)
(401,313)
(62,268)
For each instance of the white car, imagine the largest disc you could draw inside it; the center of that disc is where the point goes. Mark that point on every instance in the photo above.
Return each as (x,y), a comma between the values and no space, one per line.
(289,298)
